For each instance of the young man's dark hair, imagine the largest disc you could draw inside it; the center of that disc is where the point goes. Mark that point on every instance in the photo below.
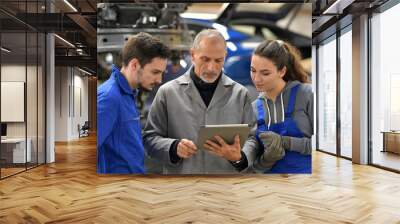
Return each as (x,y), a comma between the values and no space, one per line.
(144,48)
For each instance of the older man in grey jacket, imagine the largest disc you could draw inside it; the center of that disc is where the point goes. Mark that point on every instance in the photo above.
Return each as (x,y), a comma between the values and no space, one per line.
(202,96)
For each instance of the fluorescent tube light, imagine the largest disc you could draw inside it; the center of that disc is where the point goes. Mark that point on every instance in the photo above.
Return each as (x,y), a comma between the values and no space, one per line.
(70,5)
(64,40)
(5,50)
(84,71)
(337,7)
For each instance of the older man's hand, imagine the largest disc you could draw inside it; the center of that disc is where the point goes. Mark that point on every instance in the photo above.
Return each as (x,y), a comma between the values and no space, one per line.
(186,149)
(224,150)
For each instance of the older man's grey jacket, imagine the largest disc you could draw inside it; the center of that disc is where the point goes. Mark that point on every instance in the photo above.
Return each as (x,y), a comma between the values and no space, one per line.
(178,111)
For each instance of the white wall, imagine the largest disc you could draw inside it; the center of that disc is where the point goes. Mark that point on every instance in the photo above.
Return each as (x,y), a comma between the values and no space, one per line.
(14,73)
(314,88)
(33,126)
(61,103)
(13,101)
(80,110)
(71,94)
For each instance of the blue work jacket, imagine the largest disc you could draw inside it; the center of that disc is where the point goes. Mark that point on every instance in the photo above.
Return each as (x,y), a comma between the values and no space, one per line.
(119,138)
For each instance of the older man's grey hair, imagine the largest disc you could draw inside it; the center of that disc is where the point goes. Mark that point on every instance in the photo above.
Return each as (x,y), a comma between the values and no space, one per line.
(210,33)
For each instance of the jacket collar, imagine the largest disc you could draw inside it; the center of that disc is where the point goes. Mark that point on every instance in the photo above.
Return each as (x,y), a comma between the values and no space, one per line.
(222,88)
(185,79)
(122,82)
(285,89)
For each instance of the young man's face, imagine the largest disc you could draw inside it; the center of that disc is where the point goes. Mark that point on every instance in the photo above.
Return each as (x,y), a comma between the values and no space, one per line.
(150,75)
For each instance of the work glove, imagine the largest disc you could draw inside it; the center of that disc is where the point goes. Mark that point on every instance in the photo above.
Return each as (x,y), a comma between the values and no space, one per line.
(274,148)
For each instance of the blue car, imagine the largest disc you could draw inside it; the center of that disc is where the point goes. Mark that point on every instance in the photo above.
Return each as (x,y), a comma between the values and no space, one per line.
(240,45)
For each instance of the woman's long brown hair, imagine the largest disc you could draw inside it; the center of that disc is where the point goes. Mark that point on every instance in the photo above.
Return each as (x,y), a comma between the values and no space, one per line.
(283,54)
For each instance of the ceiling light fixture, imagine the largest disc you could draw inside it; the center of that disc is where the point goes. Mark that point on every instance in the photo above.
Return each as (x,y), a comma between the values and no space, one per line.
(84,71)
(337,7)
(5,49)
(64,40)
(70,5)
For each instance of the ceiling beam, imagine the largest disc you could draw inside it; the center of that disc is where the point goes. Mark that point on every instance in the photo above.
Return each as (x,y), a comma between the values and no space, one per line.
(81,61)
(86,26)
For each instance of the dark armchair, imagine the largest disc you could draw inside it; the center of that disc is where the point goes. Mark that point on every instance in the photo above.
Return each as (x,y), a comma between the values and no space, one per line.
(84,129)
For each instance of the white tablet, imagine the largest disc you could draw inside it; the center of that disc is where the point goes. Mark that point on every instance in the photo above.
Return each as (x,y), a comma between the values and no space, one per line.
(226,131)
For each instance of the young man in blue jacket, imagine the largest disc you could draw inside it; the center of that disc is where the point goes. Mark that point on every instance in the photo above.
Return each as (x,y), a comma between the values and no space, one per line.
(119,139)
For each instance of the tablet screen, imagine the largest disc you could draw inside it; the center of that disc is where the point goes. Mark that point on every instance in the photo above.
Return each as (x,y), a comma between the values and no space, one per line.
(226,131)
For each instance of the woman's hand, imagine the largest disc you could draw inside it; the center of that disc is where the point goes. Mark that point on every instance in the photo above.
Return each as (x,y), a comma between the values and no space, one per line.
(273,147)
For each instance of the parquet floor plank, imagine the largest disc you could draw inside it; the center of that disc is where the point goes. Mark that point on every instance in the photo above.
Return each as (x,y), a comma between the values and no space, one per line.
(70,191)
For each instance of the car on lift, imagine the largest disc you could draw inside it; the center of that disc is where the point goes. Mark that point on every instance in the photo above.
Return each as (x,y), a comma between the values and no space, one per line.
(244,26)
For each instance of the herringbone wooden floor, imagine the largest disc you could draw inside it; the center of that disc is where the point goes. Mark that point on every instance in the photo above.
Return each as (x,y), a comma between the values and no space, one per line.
(70,191)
